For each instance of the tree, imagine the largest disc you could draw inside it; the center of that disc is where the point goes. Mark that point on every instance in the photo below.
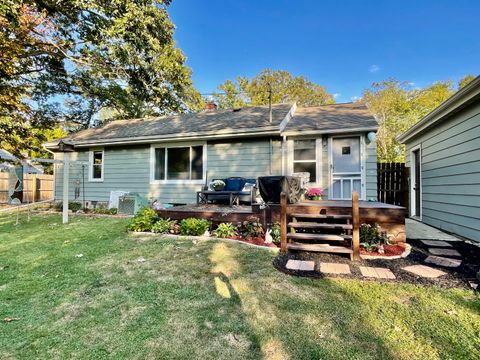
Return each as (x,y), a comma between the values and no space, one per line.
(118,55)
(285,89)
(397,107)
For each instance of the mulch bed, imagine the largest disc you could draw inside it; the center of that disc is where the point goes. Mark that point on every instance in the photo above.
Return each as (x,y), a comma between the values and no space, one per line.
(390,250)
(455,277)
(260,241)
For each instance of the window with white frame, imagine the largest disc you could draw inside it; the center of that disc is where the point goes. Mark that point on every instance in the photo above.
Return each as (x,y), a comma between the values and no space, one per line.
(96,165)
(183,163)
(304,157)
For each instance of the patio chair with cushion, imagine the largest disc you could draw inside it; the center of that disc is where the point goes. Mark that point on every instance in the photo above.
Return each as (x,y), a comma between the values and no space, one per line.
(246,189)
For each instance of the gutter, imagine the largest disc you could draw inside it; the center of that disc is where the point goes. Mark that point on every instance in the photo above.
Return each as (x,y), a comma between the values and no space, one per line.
(329,131)
(457,100)
(167,138)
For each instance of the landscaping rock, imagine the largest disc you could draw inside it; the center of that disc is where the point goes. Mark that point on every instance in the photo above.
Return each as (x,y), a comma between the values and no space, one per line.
(377,272)
(438,243)
(446,252)
(443,261)
(334,268)
(424,271)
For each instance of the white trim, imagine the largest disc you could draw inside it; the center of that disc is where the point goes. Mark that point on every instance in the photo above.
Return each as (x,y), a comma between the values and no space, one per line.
(360,175)
(344,132)
(318,158)
(178,145)
(288,117)
(413,205)
(90,165)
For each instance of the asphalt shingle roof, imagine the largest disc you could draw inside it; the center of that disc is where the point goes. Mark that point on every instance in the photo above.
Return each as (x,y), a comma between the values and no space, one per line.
(331,117)
(230,122)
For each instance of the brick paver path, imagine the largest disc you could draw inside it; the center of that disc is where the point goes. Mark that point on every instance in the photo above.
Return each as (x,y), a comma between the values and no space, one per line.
(446,252)
(443,261)
(436,243)
(376,272)
(334,268)
(300,265)
(424,271)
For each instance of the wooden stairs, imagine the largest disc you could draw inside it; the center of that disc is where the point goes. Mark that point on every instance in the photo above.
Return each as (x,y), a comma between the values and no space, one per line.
(319,232)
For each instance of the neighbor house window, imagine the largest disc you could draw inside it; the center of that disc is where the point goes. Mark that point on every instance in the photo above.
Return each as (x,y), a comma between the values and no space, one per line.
(304,158)
(178,163)
(96,165)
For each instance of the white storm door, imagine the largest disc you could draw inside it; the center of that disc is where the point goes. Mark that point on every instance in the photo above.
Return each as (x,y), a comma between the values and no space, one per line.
(346,167)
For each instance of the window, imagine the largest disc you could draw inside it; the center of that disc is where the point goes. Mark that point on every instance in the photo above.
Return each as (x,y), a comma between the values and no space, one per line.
(96,165)
(178,163)
(304,158)
(346,150)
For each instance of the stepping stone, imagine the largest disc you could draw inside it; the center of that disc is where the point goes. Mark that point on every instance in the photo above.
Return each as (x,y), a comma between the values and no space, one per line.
(300,265)
(424,271)
(334,268)
(376,272)
(443,261)
(438,243)
(446,252)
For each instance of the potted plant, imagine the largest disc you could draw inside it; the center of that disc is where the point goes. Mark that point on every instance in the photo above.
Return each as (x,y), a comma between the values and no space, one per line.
(314,194)
(218,185)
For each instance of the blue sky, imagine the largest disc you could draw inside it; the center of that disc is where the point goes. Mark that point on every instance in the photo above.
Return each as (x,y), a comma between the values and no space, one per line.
(342,45)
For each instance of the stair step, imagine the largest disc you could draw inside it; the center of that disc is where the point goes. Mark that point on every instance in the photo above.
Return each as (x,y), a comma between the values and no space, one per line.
(320,216)
(318,237)
(312,225)
(320,248)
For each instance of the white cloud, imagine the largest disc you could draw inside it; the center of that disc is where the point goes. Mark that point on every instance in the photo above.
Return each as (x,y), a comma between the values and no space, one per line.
(373,68)
(336,95)
(355,98)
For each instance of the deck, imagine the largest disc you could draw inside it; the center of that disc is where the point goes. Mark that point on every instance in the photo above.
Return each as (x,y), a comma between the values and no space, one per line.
(391,218)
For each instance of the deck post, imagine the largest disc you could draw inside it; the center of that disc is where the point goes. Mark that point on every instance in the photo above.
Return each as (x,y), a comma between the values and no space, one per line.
(283,222)
(356,227)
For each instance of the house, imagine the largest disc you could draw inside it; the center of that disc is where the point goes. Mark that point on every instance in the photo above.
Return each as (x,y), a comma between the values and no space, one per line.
(170,158)
(443,153)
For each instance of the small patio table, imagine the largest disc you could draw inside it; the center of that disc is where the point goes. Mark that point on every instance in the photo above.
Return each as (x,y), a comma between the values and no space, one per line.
(202,196)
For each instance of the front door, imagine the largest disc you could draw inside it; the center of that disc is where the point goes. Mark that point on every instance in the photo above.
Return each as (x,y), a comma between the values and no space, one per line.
(416,184)
(346,167)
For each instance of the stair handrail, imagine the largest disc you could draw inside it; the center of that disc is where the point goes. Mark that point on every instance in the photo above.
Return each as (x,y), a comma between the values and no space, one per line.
(283,222)
(356,227)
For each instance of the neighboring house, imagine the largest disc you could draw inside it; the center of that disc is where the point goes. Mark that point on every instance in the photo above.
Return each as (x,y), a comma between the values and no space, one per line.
(443,153)
(170,158)
(7,163)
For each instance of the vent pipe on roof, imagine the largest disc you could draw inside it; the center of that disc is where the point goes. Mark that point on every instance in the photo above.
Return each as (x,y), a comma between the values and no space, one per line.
(269,102)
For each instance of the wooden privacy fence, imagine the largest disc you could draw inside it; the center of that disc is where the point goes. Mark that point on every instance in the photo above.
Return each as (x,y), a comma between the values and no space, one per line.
(36,187)
(392,183)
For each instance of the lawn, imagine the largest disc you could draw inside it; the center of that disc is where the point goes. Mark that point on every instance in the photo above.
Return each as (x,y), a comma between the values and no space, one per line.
(90,290)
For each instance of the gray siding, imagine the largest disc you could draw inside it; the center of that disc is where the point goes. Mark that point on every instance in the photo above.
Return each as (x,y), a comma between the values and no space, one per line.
(450,157)
(128,169)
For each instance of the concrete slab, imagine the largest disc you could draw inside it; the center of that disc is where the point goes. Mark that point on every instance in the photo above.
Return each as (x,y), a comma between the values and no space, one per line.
(417,230)
(437,243)
(446,252)
(443,261)
(424,271)
(300,265)
(334,268)
(376,272)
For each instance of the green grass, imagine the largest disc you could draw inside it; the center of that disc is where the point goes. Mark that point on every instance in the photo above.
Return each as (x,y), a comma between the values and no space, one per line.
(206,300)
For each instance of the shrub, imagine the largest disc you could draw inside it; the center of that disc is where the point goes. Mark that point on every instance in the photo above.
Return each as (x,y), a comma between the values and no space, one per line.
(253,228)
(164,226)
(225,230)
(72,205)
(143,220)
(103,209)
(371,237)
(275,233)
(193,226)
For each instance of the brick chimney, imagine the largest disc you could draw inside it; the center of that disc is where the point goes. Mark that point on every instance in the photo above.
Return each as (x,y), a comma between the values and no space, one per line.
(210,106)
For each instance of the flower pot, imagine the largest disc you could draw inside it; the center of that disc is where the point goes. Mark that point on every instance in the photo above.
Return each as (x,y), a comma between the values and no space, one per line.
(219,188)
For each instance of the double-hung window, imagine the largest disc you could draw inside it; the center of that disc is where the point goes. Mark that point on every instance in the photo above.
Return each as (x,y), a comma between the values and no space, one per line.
(178,163)
(304,157)
(96,165)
